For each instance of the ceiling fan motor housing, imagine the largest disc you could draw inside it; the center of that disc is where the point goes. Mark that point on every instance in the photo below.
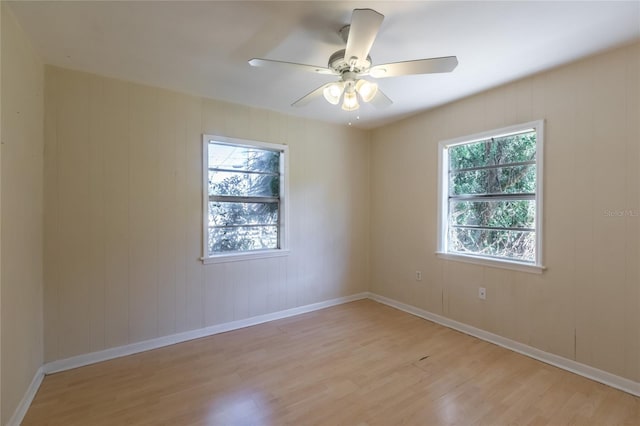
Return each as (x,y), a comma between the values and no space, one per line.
(340,65)
(350,79)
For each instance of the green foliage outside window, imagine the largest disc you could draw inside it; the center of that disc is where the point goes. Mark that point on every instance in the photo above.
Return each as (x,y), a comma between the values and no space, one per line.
(244,198)
(492,186)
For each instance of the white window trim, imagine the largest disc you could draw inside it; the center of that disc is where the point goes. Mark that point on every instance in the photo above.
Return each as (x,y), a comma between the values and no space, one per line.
(443,170)
(284,202)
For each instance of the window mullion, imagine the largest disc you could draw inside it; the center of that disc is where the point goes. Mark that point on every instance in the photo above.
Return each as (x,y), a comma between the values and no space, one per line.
(493,166)
(494,197)
(494,228)
(237,199)
(243,171)
(244,225)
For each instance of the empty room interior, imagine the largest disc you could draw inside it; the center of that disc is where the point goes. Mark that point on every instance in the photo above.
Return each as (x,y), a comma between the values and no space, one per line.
(320,212)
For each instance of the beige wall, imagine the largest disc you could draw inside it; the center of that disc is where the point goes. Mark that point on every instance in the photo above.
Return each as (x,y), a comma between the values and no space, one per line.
(123,232)
(586,306)
(1,9)
(1,418)
(21,224)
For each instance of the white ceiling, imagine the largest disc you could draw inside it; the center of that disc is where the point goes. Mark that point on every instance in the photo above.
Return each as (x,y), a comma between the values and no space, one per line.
(202,47)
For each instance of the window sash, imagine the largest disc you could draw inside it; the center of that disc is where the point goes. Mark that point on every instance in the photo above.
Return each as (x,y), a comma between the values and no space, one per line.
(250,200)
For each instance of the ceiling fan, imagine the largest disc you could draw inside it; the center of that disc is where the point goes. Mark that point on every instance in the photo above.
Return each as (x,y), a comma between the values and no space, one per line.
(353,63)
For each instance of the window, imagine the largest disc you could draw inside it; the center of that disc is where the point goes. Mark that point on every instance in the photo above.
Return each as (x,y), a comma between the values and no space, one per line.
(491,197)
(244,199)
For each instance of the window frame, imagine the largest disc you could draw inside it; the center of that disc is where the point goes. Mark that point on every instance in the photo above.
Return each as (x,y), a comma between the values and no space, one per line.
(443,199)
(283,210)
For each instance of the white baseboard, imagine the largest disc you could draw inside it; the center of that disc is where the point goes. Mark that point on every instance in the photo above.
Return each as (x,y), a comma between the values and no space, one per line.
(133,348)
(107,354)
(24,404)
(589,372)
(601,376)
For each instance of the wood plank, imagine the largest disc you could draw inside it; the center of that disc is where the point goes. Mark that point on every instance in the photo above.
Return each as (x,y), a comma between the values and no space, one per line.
(194,290)
(167,211)
(116,204)
(73,210)
(143,215)
(181,146)
(51,268)
(97,141)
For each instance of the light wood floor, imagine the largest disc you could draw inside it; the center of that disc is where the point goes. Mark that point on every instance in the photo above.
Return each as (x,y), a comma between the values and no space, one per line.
(361,363)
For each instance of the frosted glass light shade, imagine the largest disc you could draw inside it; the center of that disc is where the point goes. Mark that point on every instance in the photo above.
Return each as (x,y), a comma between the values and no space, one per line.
(333,92)
(366,89)
(350,102)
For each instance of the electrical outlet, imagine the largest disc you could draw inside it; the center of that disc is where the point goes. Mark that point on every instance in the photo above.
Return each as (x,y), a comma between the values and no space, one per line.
(482,293)
(418,275)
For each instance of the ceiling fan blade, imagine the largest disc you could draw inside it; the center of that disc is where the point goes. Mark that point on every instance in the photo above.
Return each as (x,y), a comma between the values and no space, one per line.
(380,100)
(311,96)
(365,24)
(257,62)
(420,66)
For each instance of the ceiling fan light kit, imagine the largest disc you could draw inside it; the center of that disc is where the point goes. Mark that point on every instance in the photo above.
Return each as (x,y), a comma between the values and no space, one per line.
(366,90)
(350,102)
(354,62)
(351,88)
(332,92)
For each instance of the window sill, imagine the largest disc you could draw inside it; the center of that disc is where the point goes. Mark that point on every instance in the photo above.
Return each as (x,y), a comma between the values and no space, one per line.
(236,257)
(505,264)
